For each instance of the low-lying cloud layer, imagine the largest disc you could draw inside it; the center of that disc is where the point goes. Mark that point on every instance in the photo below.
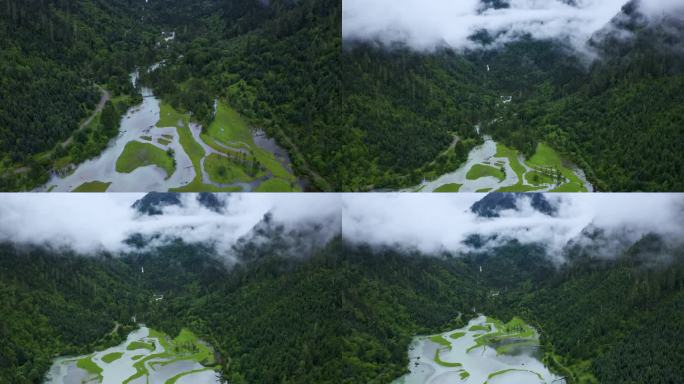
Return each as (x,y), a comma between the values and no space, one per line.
(103,222)
(429,223)
(440,223)
(427,24)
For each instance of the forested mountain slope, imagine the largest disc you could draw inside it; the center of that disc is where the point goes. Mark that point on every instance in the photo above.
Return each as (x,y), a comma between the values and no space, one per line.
(52,53)
(616,113)
(275,62)
(54,304)
(346,313)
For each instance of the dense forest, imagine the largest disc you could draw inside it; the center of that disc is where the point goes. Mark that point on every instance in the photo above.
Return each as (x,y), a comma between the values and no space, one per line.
(617,115)
(276,65)
(346,313)
(57,60)
(275,62)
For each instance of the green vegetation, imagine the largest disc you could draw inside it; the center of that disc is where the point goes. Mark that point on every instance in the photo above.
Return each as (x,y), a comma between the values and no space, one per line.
(229,128)
(507,336)
(457,335)
(439,361)
(512,156)
(110,357)
(449,188)
(169,117)
(400,107)
(178,376)
(597,318)
(548,169)
(546,157)
(274,185)
(186,346)
(163,141)
(137,154)
(483,190)
(503,372)
(222,170)
(439,339)
(481,170)
(140,345)
(93,186)
(55,59)
(89,365)
(290,96)
(146,138)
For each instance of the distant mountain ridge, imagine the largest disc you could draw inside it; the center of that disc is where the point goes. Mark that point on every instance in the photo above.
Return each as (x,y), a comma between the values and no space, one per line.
(493,204)
(153,203)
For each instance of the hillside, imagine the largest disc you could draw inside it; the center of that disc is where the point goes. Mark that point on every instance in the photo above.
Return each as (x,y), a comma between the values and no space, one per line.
(616,113)
(345,313)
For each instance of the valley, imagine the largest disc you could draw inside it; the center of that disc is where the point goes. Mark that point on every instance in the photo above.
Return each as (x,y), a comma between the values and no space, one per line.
(146,356)
(72,109)
(484,351)
(159,149)
(493,167)
(497,288)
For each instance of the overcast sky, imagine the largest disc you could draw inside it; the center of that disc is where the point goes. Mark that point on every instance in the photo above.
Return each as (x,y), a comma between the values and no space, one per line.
(425,24)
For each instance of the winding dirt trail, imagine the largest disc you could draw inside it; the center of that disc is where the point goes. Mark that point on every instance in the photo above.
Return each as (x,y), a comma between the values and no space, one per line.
(100,106)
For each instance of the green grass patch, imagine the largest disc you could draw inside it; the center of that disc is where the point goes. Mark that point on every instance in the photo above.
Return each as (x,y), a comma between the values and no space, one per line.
(93,186)
(178,376)
(546,156)
(453,187)
(539,178)
(274,185)
(457,335)
(146,138)
(443,363)
(228,127)
(137,154)
(512,156)
(223,170)
(504,371)
(570,187)
(515,333)
(478,327)
(110,357)
(483,190)
(464,375)
(169,117)
(519,188)
(140,345)
(163,141)
(439,339)
(87,364)
(480,170)
(197,186)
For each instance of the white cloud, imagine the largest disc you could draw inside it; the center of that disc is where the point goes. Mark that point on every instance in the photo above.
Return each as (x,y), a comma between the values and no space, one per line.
(430,223)
(426,24)
(436,223)
(89,223)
